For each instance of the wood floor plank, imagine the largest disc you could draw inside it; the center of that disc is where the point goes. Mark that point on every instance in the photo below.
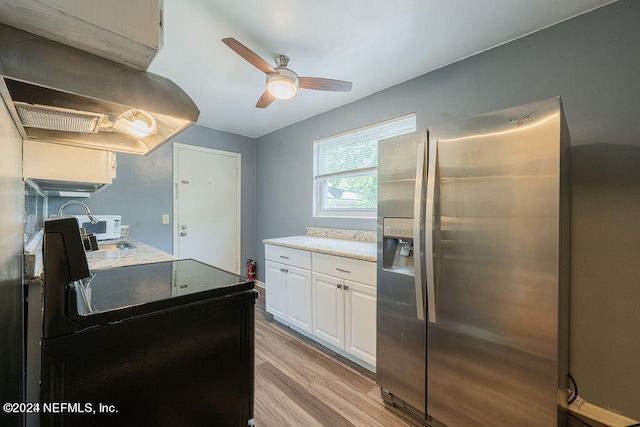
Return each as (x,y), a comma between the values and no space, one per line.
(303,398)
(301,383)
(347,374)
(273,407)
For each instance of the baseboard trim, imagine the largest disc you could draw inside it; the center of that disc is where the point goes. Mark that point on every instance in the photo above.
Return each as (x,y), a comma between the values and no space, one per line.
(605,417)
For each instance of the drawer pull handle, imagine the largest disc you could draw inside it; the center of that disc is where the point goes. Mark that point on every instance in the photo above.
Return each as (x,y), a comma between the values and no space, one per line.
(342,271)
(284,257)
(338,285)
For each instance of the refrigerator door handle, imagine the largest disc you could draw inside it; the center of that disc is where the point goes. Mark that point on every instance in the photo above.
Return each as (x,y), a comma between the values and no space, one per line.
(417,235)
(429,221)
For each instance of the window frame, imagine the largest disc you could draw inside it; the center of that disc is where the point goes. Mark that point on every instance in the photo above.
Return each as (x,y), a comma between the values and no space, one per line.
(405,123)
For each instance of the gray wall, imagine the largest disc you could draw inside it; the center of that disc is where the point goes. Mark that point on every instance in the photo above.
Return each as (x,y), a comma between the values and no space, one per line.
(143,189)
(11,244)
(592,62)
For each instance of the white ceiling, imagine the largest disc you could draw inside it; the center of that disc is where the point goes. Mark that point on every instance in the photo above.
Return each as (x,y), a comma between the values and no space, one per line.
(373,43)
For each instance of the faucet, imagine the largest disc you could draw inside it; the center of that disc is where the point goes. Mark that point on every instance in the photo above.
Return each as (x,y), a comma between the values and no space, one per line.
(82,205)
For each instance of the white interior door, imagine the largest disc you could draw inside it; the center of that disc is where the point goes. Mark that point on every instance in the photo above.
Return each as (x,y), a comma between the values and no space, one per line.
(207,206)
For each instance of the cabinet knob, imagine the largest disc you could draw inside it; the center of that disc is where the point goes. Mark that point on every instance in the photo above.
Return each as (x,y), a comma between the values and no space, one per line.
(346,288)
(338,285)
(183,233)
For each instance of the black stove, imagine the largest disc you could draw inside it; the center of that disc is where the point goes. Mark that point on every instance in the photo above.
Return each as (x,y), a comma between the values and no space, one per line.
(168,343)
(123,292)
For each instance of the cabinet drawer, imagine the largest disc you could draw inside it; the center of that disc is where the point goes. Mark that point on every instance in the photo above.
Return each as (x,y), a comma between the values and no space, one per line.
(346,268)
(289,256)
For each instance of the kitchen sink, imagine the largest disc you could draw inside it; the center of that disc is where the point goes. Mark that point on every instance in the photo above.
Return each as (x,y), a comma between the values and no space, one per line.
(119,246)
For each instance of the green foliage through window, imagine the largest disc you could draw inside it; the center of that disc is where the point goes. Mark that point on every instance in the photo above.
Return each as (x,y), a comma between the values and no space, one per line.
(345,168)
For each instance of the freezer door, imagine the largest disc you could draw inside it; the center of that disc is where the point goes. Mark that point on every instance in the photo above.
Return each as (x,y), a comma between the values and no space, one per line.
(401,329)
(494,353)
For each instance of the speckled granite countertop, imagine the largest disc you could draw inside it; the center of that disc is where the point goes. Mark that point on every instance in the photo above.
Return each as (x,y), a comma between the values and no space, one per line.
(141,254)
(365,251)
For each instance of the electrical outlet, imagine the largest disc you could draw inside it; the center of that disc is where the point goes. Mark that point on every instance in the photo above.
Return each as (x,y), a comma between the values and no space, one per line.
(165,218)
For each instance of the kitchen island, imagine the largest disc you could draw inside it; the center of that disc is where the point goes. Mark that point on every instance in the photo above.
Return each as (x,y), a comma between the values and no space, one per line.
(139,338)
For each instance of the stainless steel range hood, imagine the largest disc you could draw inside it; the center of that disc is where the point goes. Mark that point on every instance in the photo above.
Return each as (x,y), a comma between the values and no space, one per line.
(59,94)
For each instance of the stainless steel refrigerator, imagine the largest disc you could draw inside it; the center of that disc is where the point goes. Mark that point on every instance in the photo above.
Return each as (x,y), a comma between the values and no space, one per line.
(473,269)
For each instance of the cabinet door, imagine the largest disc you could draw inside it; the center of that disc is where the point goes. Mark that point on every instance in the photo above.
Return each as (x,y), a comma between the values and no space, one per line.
(328,309)
(299,298)
(360,321)
(275,289)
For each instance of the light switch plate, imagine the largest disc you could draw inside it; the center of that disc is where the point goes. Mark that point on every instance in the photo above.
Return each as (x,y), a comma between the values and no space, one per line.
(165,218)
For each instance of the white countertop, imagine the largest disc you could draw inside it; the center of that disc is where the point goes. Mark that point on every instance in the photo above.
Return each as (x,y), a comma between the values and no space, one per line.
(141,254)
(364,251)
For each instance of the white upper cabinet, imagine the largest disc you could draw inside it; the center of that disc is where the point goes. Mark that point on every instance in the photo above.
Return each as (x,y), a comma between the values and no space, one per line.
(125,31)
(61,170)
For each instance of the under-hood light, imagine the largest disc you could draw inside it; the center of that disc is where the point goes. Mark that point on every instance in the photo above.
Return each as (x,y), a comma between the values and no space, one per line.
(80,96)
(132,123)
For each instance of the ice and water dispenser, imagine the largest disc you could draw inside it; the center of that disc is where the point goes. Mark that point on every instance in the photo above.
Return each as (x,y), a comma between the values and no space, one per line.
(397,245)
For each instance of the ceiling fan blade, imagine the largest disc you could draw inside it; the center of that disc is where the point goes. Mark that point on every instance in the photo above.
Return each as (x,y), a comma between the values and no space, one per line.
(317,83)
(249,55)
(265,100)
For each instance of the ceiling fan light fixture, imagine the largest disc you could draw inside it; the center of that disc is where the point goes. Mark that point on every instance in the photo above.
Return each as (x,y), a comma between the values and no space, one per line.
(282,85)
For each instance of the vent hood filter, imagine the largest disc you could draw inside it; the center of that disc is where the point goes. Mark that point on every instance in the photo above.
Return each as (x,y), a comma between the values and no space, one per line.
(61,119)
(62,95)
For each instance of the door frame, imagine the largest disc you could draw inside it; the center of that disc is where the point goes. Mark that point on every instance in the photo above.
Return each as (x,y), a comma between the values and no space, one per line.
(238,157)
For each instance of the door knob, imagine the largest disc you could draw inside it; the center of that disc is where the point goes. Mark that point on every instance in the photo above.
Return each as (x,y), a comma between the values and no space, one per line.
(183,233)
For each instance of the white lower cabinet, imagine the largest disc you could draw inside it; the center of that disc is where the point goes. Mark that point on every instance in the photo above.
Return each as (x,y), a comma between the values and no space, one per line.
(276,289)
(331,298)
(360,321)
(299,307)
(344,311)
(288,287)
(328,309)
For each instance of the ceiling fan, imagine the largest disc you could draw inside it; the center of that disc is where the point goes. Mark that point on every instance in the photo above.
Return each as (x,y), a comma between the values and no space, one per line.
(282,82)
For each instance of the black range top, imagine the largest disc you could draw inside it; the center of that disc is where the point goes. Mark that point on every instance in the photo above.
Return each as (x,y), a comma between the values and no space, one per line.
(120,293)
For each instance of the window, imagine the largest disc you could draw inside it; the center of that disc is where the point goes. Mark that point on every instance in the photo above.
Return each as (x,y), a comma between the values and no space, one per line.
(345,180)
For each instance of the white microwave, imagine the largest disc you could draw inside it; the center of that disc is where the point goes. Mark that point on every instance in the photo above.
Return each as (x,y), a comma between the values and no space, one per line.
(108,226)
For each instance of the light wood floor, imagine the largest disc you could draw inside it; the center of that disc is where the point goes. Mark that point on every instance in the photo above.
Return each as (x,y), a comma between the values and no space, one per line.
(300,383)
